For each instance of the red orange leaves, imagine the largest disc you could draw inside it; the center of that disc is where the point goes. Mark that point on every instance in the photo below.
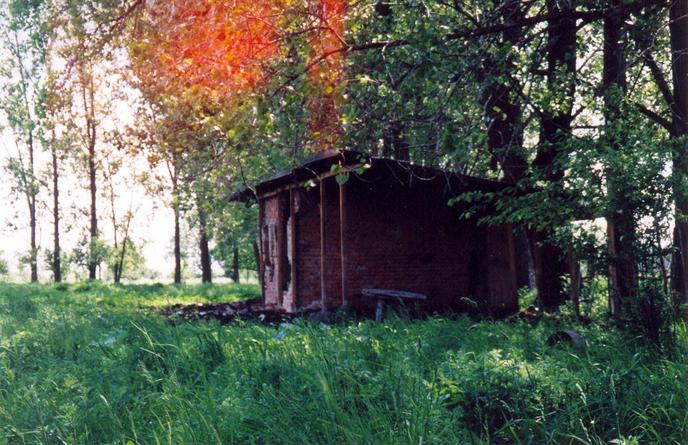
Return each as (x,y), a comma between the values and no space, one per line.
(226,48)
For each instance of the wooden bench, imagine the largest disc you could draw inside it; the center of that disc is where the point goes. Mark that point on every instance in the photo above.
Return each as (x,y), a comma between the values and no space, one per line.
(383,295)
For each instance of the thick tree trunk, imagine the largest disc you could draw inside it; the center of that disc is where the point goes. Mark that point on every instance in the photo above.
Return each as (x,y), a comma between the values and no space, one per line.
(549,267)
(678,27)
(555,129)
(206,272)
(621,235)
(503,110)
(561,81)
(500,106)
(56,260)
(505,143)
(505,129)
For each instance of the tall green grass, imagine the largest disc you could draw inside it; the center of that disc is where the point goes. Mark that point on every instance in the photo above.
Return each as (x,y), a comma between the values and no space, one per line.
(91,364)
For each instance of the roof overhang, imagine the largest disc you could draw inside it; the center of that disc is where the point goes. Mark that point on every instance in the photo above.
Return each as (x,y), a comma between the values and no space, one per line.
(332,163)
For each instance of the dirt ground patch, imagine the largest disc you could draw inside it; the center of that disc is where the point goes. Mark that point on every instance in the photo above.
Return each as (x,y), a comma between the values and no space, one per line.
(246,310)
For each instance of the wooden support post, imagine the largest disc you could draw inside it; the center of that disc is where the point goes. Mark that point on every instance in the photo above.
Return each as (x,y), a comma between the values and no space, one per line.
(281,246)
(379,310)
(259,267)
(342,244)
(261,253)
(292,229)
(323,296)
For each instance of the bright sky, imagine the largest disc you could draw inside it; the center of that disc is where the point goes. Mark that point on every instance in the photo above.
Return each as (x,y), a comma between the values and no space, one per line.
(152,225)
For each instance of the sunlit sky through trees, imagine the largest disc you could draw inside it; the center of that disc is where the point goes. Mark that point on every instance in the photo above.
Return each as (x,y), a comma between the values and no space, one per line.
(152,225)
(190,54)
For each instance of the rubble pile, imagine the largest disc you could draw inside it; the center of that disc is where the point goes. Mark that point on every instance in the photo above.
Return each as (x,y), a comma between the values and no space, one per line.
(246,310)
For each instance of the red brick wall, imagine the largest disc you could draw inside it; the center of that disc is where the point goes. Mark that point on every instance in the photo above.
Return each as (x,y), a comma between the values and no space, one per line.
(308,287)
(275,230)
(270,254)
(408,239)
(401,238)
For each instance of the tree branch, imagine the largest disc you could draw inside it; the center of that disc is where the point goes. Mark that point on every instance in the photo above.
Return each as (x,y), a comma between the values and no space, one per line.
(655,117)
(660,79)
(585,16)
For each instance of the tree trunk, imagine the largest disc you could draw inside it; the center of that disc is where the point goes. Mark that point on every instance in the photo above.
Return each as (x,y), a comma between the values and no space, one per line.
(524,261)
(32,213)
(172,170)
(120,262)
(549,269)
(119,267)
(621,236)
(32,218)
(555,129)
(503,114)
(116,278)
(235,263)
(94,218)
(206,272)
(678,27)
(109,173)
(576,284)
(30,183)
(56,263)
(177,247)
(89,111)
(561,82)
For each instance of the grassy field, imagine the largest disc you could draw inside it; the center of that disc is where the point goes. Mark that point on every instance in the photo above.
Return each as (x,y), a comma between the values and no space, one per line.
(92,364)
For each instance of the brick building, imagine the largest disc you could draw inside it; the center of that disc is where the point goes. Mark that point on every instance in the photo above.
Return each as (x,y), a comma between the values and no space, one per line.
(323,240)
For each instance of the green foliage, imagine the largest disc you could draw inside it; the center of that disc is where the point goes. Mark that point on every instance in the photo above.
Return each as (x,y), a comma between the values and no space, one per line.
(235,225)
(134,265)
(653,315)
(27,259)
(92,363)
(90,251)
(65,261)
(4,267)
